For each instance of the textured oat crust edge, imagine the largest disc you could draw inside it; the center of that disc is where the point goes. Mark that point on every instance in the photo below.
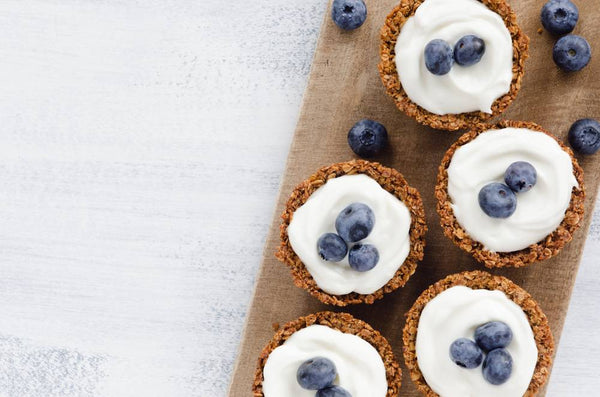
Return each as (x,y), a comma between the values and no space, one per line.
(482,280)
(389,75)
(542,250)
(390,180)
(343,322)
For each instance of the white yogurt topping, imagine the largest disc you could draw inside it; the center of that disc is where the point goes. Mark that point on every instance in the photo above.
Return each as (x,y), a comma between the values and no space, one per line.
(317,216)
(463,89)
(360,368)
(456,313)
(539,211)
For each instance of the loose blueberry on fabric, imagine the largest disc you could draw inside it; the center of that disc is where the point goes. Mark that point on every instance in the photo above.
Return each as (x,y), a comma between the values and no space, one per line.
(497,366)
(333,391)
(497,200)
(363,257)
(584,136)
(559,16)
(367,138)
(465,353)
(349,14)
(469,50)
(355,222)
(332,247)
(316,373)
(493,335)
(439,57)
(571,53)
(520,176)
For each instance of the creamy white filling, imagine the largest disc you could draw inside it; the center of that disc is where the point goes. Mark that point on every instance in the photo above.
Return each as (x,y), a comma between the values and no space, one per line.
(317,216)
(463,89)
(456,313)
(359,366)
(539,211)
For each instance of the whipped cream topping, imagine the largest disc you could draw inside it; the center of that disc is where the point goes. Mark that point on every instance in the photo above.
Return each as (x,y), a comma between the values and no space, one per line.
(317,216)
(359,366)
(463,89)
(456,313)
(539,211)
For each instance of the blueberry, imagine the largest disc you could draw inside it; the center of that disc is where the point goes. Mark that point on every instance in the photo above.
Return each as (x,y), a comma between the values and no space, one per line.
(520,176)
(497,200)
(316,373)
(332,247)
(469,50)
(349,14)
(584,136)
(333,391)
(465,353)
(355,222)
(559,16)
(497,366)
(367,138)
(493,335)
(439,57)
(572,53)
(363,257)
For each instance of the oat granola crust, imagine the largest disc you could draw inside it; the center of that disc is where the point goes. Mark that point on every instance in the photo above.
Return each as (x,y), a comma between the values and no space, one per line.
(343,322)
(547,248)
(450,122)
(482,280)
(390,180)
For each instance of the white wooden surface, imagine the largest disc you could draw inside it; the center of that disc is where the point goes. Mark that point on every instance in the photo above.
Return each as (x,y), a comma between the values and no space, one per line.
(141,147)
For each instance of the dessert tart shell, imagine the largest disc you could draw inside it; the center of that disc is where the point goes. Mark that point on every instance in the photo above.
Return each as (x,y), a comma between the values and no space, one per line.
(547,248)
(482,280)
(345,323)
(390,180)
(451,122)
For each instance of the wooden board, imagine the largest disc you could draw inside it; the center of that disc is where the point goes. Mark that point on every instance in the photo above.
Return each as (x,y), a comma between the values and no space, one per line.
(344,86)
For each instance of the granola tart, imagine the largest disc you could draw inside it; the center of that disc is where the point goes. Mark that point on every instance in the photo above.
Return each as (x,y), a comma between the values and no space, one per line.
(479,280)
(391,80)
(541,250)
(345,323)
(389,180)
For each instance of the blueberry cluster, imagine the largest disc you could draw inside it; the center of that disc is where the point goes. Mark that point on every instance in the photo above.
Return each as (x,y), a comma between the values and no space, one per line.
(353,224)
(491,339)
(318,373)
(499,200)
(439,56)
(571,52)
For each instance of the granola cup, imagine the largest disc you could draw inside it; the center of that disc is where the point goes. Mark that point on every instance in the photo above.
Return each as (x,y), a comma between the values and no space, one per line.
(345,323)
(451,122)
(390,180)
(550,246)
(481,280)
